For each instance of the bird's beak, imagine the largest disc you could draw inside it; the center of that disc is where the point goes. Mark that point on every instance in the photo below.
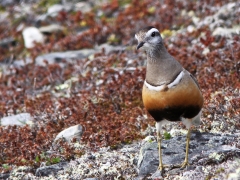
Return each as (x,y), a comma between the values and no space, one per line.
(140,45)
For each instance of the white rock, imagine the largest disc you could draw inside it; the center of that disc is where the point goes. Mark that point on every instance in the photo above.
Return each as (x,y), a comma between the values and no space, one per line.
(105,167)
(149,138)
(55,9)
(51,28)
(205,51)
(20,27)
(227,32)
(195,20)
(83,7)
(3,16)
(191,29)
(31,35)
(235,175)
(19,119)
(70,133)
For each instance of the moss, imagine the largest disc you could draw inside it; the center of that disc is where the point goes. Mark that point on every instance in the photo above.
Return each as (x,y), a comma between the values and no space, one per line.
(48,3)
(2,9)
(220,170)
(112,39)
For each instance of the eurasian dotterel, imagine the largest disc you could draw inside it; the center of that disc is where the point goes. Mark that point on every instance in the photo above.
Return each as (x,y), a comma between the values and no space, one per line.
(170,92)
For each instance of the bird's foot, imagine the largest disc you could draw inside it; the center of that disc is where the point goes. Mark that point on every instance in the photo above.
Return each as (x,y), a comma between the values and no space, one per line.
(161,167)
(181,166)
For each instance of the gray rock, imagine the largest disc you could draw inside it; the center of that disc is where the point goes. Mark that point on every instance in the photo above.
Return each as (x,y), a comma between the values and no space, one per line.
(227,32)
(140,178)
(70,133)
(204,148)
(41,18)
(19,119)
(57,57)
(15,2)
(21,62)
(6,42)
(235,175)
(109,49)
(84,7)
(21,172)
(157,174)
(51,28)
(55,9)
(8,64)
(222,17)
(7,2)
(53,169)
(4,175)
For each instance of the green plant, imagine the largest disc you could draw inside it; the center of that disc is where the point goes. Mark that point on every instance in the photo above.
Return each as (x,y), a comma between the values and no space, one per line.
(167,135)
(5,166)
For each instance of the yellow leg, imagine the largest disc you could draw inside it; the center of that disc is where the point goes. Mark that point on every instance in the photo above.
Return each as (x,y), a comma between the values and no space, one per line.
(185,162)
(159,138)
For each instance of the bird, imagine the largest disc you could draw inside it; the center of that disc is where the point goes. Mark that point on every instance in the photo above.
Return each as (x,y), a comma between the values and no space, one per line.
(170,93)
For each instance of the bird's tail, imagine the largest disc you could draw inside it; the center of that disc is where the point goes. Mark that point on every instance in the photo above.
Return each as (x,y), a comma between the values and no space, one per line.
(196,120)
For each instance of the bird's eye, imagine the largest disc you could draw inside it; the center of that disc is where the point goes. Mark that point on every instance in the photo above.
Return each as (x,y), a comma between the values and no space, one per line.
(153,34)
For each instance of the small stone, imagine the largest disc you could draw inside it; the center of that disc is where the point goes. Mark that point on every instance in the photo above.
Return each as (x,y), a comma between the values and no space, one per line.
(205,51)
(32,35)
(157,175)
(6,42)
(70,133)
(92,157)
(53,169)
(191,29)
(8,2)
(4,175)
(51,28)
(84,7)
(199,168)
(55,9)
(149,139)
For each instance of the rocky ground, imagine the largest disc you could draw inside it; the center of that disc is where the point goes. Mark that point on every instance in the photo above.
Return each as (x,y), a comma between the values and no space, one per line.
(70,89)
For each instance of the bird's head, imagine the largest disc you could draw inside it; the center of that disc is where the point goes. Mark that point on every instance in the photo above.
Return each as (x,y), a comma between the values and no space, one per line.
(148,38)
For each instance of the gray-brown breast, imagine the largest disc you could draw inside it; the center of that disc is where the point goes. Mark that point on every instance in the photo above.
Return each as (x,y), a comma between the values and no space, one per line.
(162,70)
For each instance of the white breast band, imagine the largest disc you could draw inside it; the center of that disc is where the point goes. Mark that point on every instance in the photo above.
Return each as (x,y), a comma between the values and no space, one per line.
(161,87)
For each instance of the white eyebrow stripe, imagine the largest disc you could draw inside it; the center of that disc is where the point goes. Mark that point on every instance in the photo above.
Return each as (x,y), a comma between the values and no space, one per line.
(161,87)
(151,31)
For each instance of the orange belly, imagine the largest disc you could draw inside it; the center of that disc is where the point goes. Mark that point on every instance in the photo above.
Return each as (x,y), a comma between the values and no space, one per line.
(183,100)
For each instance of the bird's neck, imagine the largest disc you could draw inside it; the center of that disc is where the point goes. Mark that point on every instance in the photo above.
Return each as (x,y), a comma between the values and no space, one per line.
(161,66)
(155,55)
